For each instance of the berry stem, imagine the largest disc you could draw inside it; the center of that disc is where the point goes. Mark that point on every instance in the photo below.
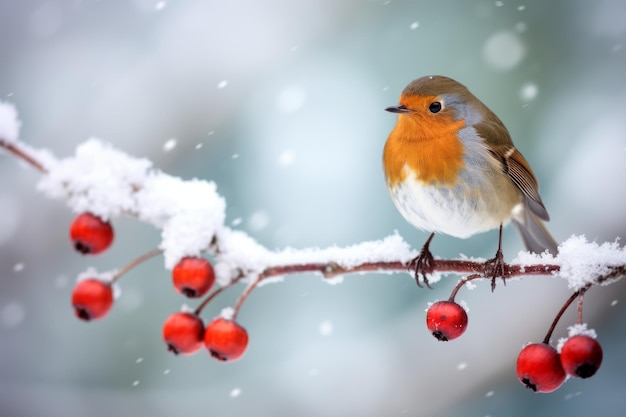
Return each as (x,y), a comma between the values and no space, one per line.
(214,294)
(569,301)
(135,262)
(246,293)
(579,317)
(461,283)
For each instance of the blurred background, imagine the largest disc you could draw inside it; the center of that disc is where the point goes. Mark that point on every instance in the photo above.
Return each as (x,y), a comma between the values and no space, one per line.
(281,104)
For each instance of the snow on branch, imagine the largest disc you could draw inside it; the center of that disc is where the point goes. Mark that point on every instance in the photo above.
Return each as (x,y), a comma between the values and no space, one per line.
(191,214)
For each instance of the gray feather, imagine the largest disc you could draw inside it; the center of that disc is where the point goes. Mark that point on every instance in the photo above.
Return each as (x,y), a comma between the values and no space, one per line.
(534,234)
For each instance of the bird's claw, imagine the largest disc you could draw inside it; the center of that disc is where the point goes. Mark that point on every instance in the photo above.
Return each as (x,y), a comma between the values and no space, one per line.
(496,268)
(422,264)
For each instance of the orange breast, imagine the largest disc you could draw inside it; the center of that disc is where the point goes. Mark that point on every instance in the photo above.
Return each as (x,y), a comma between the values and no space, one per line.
(429,148)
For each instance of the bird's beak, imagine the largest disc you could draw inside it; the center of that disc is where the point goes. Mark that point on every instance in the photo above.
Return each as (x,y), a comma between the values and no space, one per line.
(398,109)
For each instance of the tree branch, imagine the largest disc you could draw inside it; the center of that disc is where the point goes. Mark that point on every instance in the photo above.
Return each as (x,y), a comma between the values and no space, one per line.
(442,266)
(222,245)
(22,153)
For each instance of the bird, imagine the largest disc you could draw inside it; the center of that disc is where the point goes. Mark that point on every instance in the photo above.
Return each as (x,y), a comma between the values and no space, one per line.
(451,167)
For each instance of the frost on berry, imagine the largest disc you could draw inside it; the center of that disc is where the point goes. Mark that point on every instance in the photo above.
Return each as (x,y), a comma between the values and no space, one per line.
(446,320)
(183,333)
(581,356)
(92,299)
(90,234)
(193,276)
(225,339)
(539,368)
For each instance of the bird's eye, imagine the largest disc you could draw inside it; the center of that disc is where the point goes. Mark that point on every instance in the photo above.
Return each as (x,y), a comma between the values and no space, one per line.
(435,107)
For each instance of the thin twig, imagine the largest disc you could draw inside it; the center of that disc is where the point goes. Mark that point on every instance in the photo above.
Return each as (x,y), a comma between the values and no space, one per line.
(135,262)
(461,283)
(569,301)
(23,155)
(215,293)
(579,316)
(245,294)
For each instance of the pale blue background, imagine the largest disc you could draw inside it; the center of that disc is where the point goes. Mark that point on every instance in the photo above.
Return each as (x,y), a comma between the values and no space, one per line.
(294,142)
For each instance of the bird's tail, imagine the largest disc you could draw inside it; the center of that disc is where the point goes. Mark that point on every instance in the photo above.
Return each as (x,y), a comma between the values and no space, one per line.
(534,234)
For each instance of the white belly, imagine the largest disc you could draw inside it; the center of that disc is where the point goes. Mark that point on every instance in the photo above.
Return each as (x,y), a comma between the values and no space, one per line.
(454,211)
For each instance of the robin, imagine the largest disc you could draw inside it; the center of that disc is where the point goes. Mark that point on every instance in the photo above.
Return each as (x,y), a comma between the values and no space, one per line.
(451,167)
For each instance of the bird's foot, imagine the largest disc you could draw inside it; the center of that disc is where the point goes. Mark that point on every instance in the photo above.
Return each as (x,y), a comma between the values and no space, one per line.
(422,264)
(496,268)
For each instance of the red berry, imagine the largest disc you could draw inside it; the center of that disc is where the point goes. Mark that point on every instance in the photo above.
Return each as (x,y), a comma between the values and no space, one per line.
(183,333)
(193,276)
(581,356)
(225,339)
(539,368)
(446,320)
(92,299)
(90,234)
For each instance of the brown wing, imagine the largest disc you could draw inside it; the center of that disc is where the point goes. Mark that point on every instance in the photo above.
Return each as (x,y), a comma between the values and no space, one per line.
(521,174)
(513,164)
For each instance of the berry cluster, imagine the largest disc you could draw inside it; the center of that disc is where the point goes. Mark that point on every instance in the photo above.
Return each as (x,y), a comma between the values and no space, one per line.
(540,367)
(183,332)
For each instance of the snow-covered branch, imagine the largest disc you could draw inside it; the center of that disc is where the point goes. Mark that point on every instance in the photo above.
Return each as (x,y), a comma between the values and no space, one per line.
(100,183)
(107,182)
